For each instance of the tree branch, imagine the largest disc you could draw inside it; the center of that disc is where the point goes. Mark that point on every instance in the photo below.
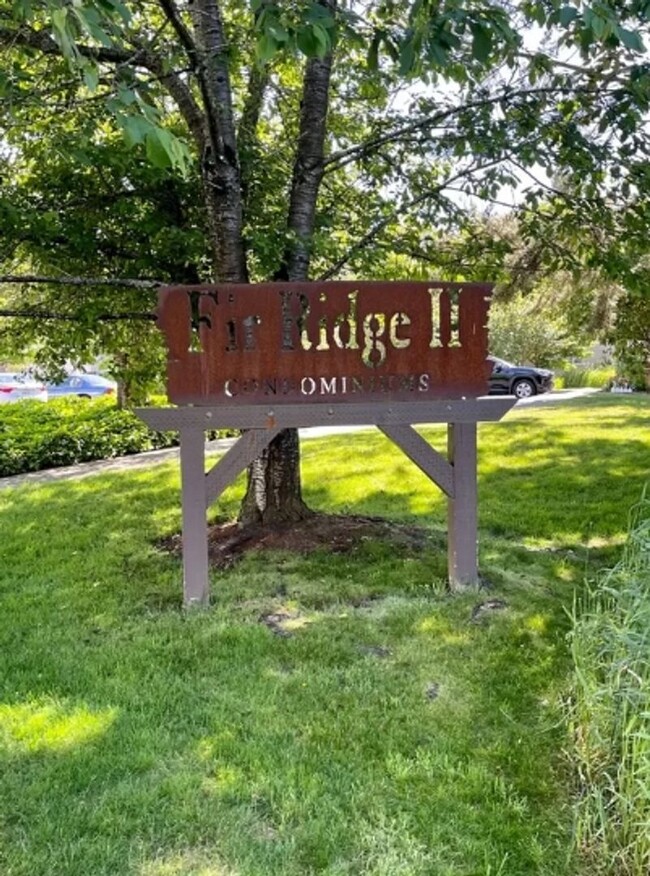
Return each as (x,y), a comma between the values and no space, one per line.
(40,40)
(378,227)
(140,56)
(66,317)
(309,164)
(33,279)
(373,144)
(220,166)
(247,132)
(173,15)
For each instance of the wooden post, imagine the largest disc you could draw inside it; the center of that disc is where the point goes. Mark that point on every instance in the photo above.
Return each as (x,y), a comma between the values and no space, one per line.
(462,509)
(195,525)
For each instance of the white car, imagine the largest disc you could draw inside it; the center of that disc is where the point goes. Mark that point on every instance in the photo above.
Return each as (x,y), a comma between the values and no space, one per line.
(15,387)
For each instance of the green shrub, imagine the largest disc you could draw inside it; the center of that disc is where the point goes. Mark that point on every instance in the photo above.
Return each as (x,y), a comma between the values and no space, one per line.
(632,340)
(34,436)
(522,333)
(611,711)
(597,378)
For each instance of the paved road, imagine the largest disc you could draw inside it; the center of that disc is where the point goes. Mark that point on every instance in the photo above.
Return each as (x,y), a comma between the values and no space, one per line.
(143,460)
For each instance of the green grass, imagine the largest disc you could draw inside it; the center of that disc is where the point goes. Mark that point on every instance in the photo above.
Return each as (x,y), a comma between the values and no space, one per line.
(611,709)
(390,734)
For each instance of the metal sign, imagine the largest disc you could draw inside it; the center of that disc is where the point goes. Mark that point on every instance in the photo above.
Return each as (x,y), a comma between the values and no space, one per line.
(334,342)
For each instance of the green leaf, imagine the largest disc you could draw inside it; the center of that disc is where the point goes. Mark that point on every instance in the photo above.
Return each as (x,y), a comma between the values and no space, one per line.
(91,23)
(22,10)
(91,76)
(567,15)
(481,43)
(597,24)
(115,9)
(406,57)
(322,39)
(307,42)
(266,46)
(126,96)
(439,54)
(158,148)
(373,53)
(60,28)
(135,128)
(122,11)
(631,39)
(278,32)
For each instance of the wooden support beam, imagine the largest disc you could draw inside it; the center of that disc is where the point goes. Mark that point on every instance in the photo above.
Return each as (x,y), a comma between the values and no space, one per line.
(456,476)
(287,416)
(196,589)
(462,509)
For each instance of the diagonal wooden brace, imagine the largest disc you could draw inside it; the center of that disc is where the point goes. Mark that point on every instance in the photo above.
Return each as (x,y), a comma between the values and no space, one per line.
(419,451)
(457,478)
(199,490)
(238,457)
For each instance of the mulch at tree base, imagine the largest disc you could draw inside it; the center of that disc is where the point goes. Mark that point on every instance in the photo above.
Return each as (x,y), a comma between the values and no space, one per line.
(332,532)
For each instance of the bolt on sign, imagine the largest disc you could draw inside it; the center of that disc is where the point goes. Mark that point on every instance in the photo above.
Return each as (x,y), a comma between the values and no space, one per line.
(325,342)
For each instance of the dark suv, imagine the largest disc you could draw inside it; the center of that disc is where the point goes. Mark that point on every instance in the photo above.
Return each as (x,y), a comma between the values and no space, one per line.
(518,380)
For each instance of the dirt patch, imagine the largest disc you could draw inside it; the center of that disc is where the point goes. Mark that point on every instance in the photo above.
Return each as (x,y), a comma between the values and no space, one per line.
(485,609)
(331,532)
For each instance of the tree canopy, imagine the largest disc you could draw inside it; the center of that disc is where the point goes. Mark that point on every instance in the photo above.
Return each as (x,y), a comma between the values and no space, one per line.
(431,110)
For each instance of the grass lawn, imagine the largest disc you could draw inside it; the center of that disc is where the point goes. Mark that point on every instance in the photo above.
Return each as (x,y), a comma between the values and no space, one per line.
(392,730)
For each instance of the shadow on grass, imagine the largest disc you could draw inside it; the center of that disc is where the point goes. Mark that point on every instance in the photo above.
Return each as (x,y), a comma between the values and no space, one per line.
(298,754)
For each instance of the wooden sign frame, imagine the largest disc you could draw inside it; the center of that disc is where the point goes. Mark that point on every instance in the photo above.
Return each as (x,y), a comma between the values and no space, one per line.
(455,474)
(453,342)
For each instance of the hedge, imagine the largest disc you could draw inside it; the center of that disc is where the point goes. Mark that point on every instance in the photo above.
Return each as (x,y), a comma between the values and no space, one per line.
(36,435)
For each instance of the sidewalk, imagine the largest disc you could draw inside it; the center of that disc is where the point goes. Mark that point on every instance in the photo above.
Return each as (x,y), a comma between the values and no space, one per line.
(143,460)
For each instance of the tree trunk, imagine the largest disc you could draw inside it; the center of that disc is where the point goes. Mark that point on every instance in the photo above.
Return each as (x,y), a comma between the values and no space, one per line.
(273,493)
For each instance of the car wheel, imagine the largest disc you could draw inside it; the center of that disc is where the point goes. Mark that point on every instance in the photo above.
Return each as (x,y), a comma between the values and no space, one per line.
(82,395)
(524,388)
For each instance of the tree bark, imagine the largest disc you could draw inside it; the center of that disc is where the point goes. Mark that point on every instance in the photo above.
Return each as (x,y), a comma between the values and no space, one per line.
(273,493)
(308,169)
(219,159)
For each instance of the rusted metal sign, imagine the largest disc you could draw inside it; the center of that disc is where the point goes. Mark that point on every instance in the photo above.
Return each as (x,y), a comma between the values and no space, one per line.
(332,342)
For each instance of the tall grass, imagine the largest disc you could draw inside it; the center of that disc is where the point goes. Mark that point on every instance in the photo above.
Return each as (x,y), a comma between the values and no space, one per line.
(611,651)
(573,377)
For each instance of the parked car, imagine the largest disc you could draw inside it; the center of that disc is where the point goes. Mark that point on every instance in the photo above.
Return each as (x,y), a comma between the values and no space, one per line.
(82,385)
(15,386)
(521,381)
